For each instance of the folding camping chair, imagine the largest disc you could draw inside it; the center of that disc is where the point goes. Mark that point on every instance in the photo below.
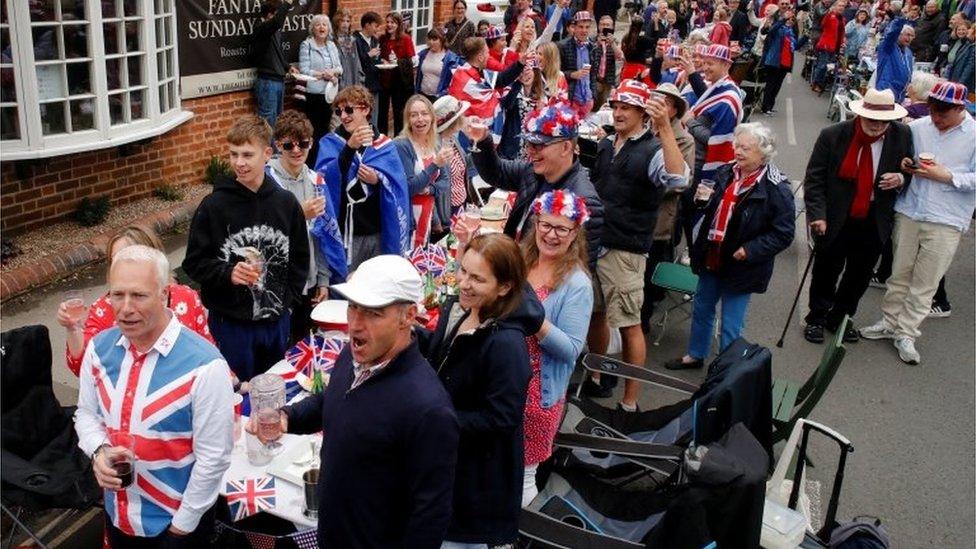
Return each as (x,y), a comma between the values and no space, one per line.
(792,401)
(681,284)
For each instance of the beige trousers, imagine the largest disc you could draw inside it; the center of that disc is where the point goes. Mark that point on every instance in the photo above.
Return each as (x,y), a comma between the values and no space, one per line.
(923,253)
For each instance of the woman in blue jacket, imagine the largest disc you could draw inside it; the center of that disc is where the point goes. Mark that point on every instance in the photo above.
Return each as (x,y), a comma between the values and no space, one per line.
(435,66)
(962,69)
(556,258)
(777,57)
(747,220)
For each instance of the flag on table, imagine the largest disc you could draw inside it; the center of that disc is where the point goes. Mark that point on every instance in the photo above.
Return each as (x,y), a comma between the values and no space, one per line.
(429,259)
(248,496)
(305,354)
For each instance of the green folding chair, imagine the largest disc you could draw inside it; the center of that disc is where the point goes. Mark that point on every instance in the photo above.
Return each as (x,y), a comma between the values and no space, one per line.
(681,285)
(792,401)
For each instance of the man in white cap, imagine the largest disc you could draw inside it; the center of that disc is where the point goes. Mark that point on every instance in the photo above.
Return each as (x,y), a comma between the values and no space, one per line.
(852,180)
(390,432)
(930,216)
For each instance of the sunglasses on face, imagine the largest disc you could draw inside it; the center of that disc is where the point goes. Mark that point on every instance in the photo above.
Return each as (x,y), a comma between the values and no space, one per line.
(339,111)
(303,144)
(545,228)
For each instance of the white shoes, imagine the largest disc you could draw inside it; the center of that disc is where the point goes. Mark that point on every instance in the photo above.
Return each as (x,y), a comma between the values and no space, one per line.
(878,330)
(906,350)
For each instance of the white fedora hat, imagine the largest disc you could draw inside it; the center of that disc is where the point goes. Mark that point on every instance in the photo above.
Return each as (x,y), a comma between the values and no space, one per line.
(878,105)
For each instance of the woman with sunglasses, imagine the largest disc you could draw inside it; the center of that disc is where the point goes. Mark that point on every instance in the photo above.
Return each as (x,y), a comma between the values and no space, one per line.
(293,139)
(556,259)
(426,167)
(318,57)
(396,84)
(479,352)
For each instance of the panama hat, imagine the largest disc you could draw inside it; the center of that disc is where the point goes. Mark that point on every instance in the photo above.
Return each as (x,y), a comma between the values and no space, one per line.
(878,105)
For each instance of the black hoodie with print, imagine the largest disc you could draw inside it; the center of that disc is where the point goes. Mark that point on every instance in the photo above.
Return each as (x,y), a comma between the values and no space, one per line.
(235,224)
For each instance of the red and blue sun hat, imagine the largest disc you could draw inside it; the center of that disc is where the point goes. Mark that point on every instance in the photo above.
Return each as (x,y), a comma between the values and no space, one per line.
(562,203)
(631,92)
(494,32)
(953,93)
(557,122)
(718,51)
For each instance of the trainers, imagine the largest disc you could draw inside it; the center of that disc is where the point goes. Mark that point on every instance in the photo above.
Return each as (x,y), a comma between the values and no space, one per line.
(851,334)
(680,364)
(620,408)
(906,350)
(876,282)
(814,333)
(878,330)
(940,310)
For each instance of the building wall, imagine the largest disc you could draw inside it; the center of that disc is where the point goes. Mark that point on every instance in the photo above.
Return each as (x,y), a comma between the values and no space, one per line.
(34,193)
(37,192)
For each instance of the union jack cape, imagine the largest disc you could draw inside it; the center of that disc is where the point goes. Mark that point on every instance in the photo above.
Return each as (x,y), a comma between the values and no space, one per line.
(722,102)
(395,208)
(468,84)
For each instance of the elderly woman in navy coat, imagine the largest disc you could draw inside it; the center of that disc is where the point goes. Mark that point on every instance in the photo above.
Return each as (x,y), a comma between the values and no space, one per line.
(742,223)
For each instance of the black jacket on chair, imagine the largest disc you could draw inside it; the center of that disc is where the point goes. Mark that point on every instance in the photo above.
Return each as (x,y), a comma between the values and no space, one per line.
(829,198)
(762,223)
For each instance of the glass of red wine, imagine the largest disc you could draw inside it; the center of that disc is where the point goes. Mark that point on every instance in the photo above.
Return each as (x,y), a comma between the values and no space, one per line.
(124,456)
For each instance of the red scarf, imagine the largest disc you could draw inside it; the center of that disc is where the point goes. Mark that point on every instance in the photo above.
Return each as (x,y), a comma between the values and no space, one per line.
(858,166)
(737,188)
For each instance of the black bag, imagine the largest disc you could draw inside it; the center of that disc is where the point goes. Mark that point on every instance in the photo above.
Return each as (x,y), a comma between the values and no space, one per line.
(864,532)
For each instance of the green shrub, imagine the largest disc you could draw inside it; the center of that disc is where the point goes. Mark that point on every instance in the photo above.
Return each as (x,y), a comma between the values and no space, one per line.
(169,193)
(217,167)
(93,210)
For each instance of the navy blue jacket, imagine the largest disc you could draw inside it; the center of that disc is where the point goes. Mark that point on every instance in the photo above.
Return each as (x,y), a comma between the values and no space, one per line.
(762,222)
(451,62)
(487,373)
(388,454)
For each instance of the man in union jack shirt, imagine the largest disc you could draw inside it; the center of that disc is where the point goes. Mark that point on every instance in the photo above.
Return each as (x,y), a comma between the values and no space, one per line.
(168,391)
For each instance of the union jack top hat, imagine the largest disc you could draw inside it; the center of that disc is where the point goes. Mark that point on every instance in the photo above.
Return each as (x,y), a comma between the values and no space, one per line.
(551,123)
(494,32)
(673,52)
(582,16)
(631,92)
(717,51)
(953,93)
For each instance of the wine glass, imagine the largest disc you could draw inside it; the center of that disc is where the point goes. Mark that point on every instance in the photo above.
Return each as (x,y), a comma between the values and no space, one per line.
(476,124)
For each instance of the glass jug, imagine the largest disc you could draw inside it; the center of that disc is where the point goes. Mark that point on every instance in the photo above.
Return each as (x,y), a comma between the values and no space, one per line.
(267,396)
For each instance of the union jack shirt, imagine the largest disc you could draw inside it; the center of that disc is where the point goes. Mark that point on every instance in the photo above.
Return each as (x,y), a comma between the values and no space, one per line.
(177,402)
(722,102)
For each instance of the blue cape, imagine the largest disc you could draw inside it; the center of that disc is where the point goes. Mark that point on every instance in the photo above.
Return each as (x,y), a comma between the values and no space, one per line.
(394,198)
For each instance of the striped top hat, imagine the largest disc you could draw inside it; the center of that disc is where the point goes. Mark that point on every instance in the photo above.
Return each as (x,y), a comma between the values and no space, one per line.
(582,16)
(631,92)
(494,32)
(673,52)
(953,93)
(718,51)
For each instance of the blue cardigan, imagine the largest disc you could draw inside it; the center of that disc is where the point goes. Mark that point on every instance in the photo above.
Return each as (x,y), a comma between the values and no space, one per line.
(451,62)
(568,309)
(432,176)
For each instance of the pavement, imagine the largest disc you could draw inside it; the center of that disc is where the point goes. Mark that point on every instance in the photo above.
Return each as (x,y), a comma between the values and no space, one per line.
(912,427)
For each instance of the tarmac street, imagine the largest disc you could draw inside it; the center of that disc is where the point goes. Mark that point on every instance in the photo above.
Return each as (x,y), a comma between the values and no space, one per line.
(912,427)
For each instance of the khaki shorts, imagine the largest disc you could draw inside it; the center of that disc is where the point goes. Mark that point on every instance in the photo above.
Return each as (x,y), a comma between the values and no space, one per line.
(622,278)
(599,306)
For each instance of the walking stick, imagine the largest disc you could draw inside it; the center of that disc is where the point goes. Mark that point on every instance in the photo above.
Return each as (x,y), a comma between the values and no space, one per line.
(796,299)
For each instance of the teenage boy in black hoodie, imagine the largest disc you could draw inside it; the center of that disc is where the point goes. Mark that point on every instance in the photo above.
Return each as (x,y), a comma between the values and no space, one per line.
(248,250)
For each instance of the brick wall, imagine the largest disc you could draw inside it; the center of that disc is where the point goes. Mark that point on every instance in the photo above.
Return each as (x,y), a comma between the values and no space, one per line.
(37,192)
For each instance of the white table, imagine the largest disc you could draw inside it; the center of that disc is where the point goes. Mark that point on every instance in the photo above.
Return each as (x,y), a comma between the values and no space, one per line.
(289,497)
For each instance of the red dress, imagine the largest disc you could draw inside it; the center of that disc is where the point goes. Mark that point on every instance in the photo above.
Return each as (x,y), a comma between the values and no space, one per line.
(541,424)
(183,301)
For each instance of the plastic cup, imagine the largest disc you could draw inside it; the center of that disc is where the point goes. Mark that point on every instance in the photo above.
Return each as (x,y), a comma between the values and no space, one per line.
(124,461)
(926,158)
(706,187)
(75,306)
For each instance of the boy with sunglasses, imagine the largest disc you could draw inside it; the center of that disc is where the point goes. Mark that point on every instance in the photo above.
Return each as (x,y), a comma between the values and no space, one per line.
(248,250)
(293,138)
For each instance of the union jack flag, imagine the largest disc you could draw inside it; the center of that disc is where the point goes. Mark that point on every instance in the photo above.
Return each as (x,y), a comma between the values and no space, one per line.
(248,496)
(429,260)
(306,354)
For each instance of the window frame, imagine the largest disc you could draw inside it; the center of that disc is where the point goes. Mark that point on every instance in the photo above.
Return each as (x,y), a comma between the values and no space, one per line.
(419,38)
(33,143)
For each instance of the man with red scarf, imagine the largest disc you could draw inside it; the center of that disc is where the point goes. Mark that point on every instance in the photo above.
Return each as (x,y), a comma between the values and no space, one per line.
(830,44)
(852,181)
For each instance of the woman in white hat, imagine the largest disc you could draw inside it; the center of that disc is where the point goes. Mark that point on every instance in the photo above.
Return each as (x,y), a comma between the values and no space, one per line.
(449,119)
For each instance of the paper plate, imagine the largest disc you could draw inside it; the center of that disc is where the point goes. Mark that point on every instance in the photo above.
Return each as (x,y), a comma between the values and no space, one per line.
(331,311)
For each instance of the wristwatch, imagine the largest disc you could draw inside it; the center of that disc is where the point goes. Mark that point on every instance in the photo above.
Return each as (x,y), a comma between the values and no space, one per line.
(99,449)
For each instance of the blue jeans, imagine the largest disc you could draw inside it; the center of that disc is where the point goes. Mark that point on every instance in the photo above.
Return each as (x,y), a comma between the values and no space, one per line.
(250,346)
(820,67)
(270,95)
(734,307)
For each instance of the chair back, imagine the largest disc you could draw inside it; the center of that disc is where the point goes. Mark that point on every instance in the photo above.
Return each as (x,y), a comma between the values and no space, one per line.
(25,363)
(816,385)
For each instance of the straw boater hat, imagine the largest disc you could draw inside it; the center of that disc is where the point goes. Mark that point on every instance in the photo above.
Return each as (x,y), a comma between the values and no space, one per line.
(878,105)
(447,109)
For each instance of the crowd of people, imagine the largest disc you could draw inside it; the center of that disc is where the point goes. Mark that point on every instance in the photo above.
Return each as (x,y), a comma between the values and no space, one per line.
(433,434)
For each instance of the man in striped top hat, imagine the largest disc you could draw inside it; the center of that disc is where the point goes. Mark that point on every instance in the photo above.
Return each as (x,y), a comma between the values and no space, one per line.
(930,216)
